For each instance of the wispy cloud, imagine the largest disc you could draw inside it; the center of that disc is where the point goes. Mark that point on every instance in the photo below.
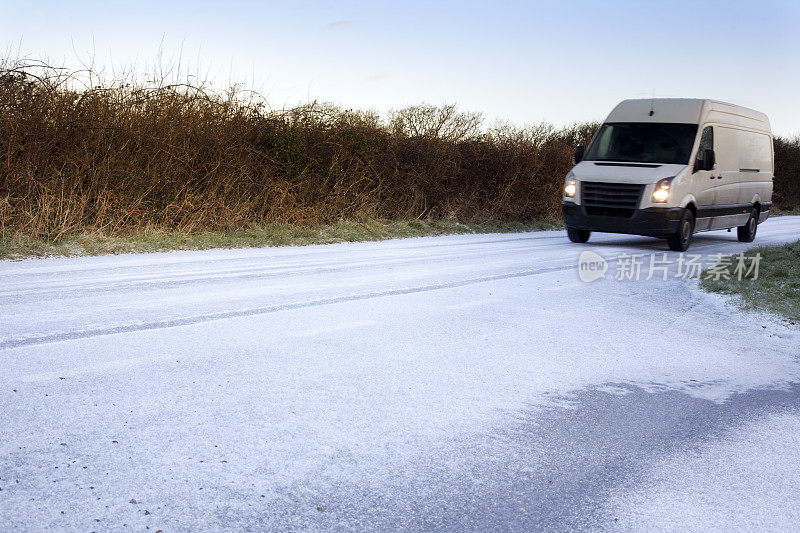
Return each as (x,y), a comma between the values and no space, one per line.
(338,25)
(378,76)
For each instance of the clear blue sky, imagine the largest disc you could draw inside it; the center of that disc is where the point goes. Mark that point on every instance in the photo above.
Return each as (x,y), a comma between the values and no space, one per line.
(521,62)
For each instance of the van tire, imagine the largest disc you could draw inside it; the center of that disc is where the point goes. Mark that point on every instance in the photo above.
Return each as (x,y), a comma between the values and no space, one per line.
(747,233)
(578,235)
(680,241)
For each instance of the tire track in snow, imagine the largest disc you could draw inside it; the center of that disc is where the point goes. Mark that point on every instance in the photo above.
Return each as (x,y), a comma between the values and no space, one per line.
(222,315)
(247,273)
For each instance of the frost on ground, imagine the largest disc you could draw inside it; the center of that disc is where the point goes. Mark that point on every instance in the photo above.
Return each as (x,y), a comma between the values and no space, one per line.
(389,384)
(746,480)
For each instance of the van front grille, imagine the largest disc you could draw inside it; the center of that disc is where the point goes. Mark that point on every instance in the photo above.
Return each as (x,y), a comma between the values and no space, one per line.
(610,199)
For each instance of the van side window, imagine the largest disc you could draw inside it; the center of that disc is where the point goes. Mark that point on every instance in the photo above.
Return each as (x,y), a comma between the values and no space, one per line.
(706,141)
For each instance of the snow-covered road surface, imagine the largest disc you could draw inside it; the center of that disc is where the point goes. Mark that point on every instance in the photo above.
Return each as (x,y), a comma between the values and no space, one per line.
(465,382)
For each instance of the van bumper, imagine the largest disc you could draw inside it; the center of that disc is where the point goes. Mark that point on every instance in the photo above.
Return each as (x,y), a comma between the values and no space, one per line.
(764,213)
(651,221)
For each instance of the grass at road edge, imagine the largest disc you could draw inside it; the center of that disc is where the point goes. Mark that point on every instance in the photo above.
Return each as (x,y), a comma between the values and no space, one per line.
(152,240)
(782,213)
(777,288)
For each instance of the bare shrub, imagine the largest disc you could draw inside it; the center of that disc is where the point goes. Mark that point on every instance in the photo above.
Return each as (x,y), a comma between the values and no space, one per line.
(787,173)
(445,123)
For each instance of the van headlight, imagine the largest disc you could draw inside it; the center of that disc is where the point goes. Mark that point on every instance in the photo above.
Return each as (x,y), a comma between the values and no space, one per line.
(662,190)
(570,186)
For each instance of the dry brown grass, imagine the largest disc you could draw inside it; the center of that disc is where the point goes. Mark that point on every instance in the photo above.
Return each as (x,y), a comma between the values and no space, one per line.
(80,155)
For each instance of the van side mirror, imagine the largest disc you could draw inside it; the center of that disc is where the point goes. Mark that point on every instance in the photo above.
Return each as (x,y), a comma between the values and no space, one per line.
(709,159)
(577,157)
(705,161)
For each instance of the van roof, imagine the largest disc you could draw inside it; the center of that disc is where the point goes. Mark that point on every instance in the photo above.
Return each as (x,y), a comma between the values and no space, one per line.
(688,111)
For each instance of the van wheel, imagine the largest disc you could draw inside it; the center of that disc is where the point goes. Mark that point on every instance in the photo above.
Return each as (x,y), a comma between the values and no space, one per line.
(747,233)
(578,235)
(682,238)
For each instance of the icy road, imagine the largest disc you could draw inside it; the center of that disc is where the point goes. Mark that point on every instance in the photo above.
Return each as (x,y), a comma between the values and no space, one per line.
(450,383)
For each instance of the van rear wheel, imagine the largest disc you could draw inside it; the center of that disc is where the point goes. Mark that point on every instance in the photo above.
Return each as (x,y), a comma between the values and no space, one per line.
(747,233)
(682,238)
(578,235)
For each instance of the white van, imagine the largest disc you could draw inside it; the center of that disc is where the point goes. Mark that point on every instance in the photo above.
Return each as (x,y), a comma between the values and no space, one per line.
(670,167)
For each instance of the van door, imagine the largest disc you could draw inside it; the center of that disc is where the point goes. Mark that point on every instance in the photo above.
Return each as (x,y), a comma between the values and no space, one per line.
(726,178)
(756,167)
(703,182)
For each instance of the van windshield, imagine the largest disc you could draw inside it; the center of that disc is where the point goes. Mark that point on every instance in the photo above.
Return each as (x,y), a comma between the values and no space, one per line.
(643,142)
